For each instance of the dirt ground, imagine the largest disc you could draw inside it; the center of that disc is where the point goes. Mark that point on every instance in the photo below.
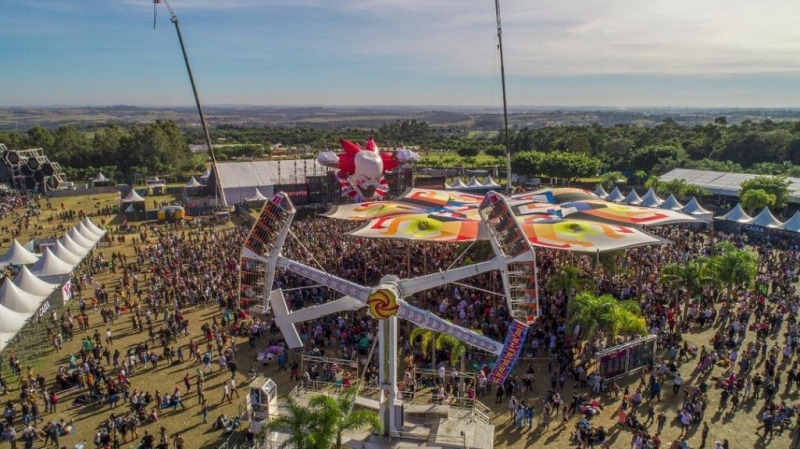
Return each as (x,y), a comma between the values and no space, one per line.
(738,428)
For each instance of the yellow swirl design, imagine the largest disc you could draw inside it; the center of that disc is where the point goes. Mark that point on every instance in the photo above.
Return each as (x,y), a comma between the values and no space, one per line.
(382,304)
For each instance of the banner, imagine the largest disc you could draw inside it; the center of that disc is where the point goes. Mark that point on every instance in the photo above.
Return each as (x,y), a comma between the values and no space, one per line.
(433,182)
(66,292)
(515,342)
(42,310)
(298,193)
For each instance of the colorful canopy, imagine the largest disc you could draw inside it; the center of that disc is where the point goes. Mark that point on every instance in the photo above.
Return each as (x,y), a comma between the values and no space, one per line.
(584,223)
(26,281)
(18,255)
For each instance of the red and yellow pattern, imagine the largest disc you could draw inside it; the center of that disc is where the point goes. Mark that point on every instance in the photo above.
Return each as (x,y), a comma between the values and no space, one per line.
(382,304)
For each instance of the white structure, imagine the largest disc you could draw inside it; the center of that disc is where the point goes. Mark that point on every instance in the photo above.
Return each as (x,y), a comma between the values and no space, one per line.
(192,184)
(694,208)
(489,182)
(11,321)
(92,227)
(671,203)
(27,282)
(261,402)
(792,224)
(50,265)
(132,197)
(650,199)
(64,254)
(615,196)
(18,300)
(73,247)
(724,183)
(87,233)
(257,196)
(600,192)
(473,183)
(18,255)
(79,239)
(632,198)
(736,215)
(765,219)
(458,184)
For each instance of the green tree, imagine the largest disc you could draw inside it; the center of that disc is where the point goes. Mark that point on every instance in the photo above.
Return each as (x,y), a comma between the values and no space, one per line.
(647,157)
(337,415)
(427,342)
(568,279)
(757,199)
(569,166)
(692,276)
(605,314)
(457,348)
(777,186)
(579,144)
(610,179)
(302,425)
(734,267)
(527,162)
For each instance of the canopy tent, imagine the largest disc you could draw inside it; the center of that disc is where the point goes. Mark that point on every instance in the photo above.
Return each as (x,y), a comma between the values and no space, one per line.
(765,219)
(132,197)
(257,196)
(736,215)
(600,192)
(792,224)
(489,182)
(100,178)
(615,196)
(192,184)
(18,300)
(10,321)
(18,255)
(79,239)
(73,247)
(206,174)
(87,233)
(447,186)
(66,255)
(26,281)
(92,227)
(671,203)
(49,265)
(632,198)
(5,339)
(650,199)
(473,182)
(694,208)
(458,184)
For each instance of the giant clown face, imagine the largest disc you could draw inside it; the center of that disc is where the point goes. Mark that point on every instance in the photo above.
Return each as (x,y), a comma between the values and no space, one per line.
(368,174)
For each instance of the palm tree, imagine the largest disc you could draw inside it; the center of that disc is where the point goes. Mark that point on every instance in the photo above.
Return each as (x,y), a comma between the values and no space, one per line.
(568,279)
(734,266)
(336,415)
(458,350)
(694,276)
(605,313)
(298,422)
(428,342)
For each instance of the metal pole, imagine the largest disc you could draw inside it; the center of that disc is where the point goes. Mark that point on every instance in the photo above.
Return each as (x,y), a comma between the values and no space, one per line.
(509,186)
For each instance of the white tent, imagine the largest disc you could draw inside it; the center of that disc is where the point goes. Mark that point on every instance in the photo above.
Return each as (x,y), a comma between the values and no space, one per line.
(206,174)
(73,247)
(458,184)
(79,239)
(489,182)
(49,265)
(671,203)
(87,233)
(257,196)
(192,183)
(632,198)
(765,219)
(792,224)
(11,321)
(26,281)
(132,197)
(600,192)
(5,339)
(66,255)
(615,196)
(447,186)
(650,199)
(100,178)
(737,214)
(473,182)
(93,227)
(18,300)
(18,255)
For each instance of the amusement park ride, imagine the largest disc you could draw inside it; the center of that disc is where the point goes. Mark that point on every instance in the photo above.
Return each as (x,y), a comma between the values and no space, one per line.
(514,225)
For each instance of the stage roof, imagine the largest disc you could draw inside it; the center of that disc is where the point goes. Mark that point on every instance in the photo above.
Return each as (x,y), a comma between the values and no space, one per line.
(723,183)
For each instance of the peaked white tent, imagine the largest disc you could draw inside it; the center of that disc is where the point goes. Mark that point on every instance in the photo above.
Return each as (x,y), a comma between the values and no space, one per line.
(79,239)
(66,255)
(458,184)
(192,183)
(671,203)
(615,196)
(73,247)
(447,186)
(650,199)
(93,227)
(87,233)
(473,182)
(100,178)
(12,321)
(206,174)
(132,197)
(5,339)
(632,198)
(49,265)
(737,214)
(489,182)
(765,219)
(600,192)
(18,300)
(257,196)
(18,255)
(792,224)
(26,281)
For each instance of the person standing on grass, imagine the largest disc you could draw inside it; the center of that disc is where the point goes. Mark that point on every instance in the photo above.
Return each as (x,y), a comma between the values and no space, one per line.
(233,388)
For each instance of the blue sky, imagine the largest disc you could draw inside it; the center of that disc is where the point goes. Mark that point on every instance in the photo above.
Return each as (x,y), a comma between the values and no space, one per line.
(731,53)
